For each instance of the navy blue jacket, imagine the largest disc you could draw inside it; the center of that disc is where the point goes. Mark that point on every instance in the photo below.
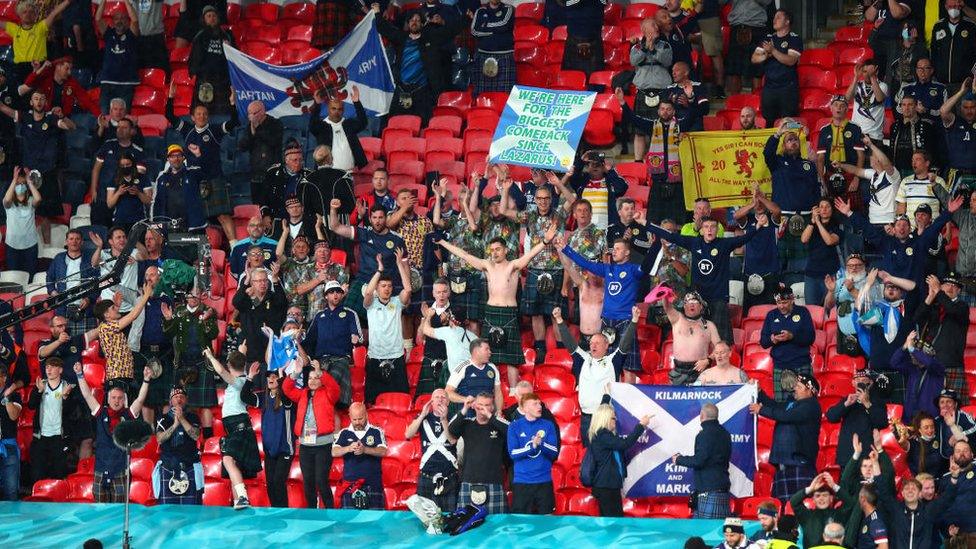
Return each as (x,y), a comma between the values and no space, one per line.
(908,528)
(797,432)
(795,353)
(616,187)
(610,472)
(713,450)
(903,259)
(796,185)
(855,419)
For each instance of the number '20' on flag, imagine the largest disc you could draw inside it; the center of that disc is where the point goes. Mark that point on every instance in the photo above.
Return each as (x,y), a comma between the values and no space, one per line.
(672,430)
(289,90)
(541,128)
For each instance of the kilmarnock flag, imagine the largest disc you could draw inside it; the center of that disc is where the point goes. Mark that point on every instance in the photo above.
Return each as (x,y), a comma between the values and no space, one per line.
(672,430)
(286,90)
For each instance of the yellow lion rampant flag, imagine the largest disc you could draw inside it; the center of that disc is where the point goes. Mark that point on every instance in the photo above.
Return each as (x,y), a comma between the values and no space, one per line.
(722,166)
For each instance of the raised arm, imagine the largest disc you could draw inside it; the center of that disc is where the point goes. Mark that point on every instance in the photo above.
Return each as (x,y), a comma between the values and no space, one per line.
(476,263)
(136,408)
(404,270)
(369,293)
(947,111)
(224,373)
(147,290)
(547,239)
(86,392)
(335,226)
(63,5)
(564,334)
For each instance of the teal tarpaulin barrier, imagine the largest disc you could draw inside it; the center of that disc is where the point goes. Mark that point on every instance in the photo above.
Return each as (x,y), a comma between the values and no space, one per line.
(68,525)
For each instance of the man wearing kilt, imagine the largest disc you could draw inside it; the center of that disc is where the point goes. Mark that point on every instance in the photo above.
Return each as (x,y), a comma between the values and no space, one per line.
(191,327)
(155,346)
(466,284)
(374,241)
(413,229)
(795,437)
(66,271)
(386,366)
(493,67)
(110,460)
(239,447)
(501,312)
(333,21)
(945,317)
(362,447)
(202,140)
(545,277)
(330,337)
(710,463)
(789,332)
(435,363)
(485,439)
(178,476)
(438,477)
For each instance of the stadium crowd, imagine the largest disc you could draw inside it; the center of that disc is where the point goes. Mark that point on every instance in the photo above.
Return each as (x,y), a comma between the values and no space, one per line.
(360,293)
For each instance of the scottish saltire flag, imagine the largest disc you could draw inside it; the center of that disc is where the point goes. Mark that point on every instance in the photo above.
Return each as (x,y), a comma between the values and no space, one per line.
(541,128)
(672,430)
(288,90)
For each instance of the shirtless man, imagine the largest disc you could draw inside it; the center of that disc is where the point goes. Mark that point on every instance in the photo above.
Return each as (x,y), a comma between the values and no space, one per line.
(724,372)
(501,312)
(693,338)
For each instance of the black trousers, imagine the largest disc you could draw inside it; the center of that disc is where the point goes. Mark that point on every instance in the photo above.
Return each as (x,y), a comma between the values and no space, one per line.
(533,499)
(152,52)
(276,470)
(610,502)
(316,461)
(49,457)
(778,103)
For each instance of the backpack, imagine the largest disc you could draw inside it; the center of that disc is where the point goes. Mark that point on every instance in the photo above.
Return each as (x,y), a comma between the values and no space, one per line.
(588,469)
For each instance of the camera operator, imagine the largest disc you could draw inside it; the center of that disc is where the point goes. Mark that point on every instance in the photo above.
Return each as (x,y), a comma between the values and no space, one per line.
(858,414)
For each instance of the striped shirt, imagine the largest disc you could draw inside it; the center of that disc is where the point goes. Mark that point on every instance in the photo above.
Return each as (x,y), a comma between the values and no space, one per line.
(915,191)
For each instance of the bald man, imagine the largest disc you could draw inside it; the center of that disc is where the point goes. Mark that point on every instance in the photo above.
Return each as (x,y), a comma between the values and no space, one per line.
(255,237)
(338,133)
(438,477)
(362,447)
(262,140)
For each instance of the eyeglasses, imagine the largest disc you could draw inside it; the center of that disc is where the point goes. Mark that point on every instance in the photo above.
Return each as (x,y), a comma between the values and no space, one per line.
(538,198)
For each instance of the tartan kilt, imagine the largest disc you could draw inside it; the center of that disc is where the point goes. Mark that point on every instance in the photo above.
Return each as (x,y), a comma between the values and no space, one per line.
(354,300)
(203,392)
(790,248)
(666,201)
(506,318)
(712,505)
(218,203)
(109,489)
(955,379)
(497,502)
(790,478)
(331,24)
(241,444)
(473,299)
(376,384)
(632,360)
(159,387)
(79,327)
(50,205)
(535,303)
(781,395)
(572,60)
(192,496)
(377,498)
(429,378)
(896,386)
(338,368)
(501,82)
(448,499)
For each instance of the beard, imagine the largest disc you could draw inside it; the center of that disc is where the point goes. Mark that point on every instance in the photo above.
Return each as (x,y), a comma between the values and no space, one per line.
(856,277)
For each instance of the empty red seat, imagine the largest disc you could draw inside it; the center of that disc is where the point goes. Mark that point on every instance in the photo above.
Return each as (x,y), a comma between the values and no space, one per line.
(812,76)
(492,100)
(405,121)
(141,469)
(738,101)
(452,123)
(714,123)
(265,11)
(857,54)
(455,103)
(534,56)
(298,10)
(531,33)
(53,490)
(141,492)
(395,402)
(598,131)
(529,12)
(640,11)
(148,100)
(821,57)
(80,488)
(852,33)
(555,379)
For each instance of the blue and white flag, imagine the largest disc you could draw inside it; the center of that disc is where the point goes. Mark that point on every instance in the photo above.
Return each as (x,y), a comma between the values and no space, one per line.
(672,430)
(541,128)
(287,90)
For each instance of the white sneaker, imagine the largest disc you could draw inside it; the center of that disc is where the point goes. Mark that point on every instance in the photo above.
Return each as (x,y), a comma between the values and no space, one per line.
(241,503)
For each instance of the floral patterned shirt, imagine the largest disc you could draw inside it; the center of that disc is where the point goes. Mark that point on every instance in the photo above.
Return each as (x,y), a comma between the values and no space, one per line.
(414,230)
(316,298)
(115,347)
(536,226)
(589,241)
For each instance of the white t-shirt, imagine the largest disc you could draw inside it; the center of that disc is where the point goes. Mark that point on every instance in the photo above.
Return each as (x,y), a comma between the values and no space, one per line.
(385,330)
(233,405)
(342,158)
(457,341)
(884,189)
(21,232)
(868,111)
(129,280)
(52,403)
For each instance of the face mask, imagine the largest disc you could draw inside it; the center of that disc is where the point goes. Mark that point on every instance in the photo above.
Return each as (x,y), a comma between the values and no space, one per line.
(20,188)
(905,35)
(125,171)
(953,13)
(928,438)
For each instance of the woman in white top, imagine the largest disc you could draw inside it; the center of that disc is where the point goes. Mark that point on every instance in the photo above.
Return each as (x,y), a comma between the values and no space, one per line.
(21,243)
(723,373)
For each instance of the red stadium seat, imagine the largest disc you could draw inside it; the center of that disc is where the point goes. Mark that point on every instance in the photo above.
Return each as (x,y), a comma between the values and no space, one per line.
(212,465)
(299,32)
(80,488)
(492,100)
(714,123)
(267,33)
(265,11)
(534,56)
(815,77)
(612,35)
(529,12)
(452,145)
(670,509)
(580,502)
(451,123)
(153,125)
(815,99)
(455,103)
(852,33)
(640,11)
(148,100)
(750,506)
(257,494)
(395,402)
(52,490)
(564,409)
(612,13)
(834,385)
(556,379)
(294,487)
(559,33)
(602,79)
(405,121)
(738,101)
(298,10)
(141,492)
(821,57)
(857,54)
(598,131)
(141,469)
(758,362)
(531,33)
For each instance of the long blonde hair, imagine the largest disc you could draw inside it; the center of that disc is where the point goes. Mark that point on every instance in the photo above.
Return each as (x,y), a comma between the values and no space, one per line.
(603,418)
